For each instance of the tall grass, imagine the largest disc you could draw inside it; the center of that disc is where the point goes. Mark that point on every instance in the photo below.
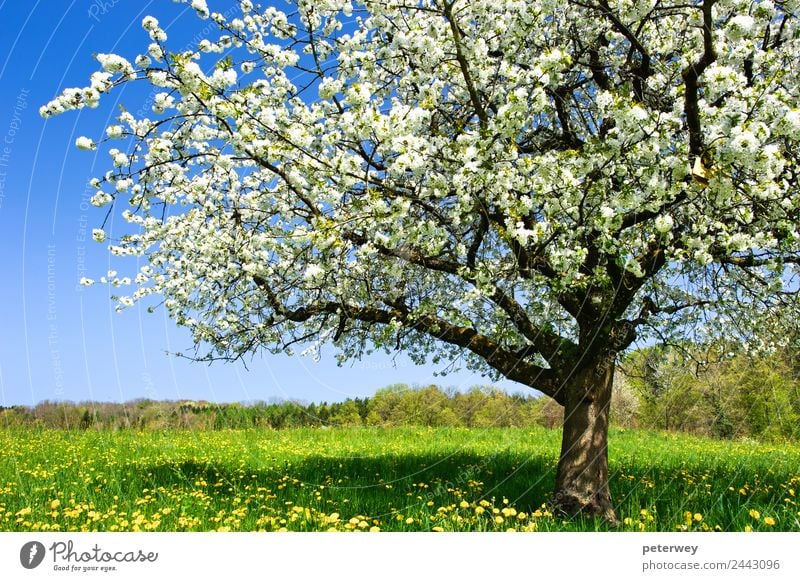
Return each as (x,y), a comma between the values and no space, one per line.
(399,479)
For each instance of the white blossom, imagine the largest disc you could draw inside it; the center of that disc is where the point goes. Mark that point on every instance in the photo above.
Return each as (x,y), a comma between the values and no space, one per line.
(201,7)
(740,25)
(84,143)
(159,78)
(101,199)
(113,63)
(313,272)
(664,223)
(162,102)
(120,158)
(149,23)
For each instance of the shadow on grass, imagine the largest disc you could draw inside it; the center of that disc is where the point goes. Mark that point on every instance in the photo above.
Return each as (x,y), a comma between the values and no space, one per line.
(368,483)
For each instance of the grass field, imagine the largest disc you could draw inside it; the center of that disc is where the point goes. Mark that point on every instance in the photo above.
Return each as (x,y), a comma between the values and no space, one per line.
(399,479)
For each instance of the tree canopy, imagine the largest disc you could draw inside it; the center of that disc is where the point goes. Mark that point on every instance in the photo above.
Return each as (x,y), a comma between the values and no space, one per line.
(530,185)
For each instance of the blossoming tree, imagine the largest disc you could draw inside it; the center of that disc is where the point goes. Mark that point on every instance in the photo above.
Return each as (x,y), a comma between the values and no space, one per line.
(528,185)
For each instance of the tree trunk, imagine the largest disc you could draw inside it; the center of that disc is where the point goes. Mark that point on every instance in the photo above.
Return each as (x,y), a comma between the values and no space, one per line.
(582,474)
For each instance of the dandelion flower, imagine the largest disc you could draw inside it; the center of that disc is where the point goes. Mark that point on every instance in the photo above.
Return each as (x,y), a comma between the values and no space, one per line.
(769,521)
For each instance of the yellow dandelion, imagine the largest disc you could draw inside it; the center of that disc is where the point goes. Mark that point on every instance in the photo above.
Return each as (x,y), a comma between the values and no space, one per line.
(55,504)
(498,519)
(698,517)
(769,521)
(748,529)
(755,514)
(409,521)
(464,504)
(438,529)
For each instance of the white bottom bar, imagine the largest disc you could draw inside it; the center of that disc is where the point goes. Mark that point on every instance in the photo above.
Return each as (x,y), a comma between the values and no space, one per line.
(407,556)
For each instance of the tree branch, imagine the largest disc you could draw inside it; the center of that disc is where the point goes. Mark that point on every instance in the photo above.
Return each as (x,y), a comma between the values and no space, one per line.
(508,363)
(464,65)
(690,75)
(547,343)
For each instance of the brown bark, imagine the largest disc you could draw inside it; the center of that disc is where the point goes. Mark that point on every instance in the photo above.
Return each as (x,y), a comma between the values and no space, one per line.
(582,473)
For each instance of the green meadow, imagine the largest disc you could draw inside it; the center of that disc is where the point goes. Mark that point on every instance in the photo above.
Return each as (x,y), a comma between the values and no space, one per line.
(380,479)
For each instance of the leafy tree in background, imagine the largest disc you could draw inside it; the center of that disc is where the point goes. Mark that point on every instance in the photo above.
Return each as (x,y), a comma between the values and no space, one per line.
(743,396)
(347,414)
(528,185)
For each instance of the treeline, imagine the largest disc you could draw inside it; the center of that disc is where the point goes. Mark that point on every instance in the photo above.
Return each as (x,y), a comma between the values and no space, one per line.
(395,405)
(657,388)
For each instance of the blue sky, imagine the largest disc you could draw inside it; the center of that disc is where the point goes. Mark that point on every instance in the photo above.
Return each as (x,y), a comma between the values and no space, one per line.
(60,341)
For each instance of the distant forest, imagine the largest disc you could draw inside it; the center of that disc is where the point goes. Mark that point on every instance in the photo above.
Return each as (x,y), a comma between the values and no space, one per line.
(736,397)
